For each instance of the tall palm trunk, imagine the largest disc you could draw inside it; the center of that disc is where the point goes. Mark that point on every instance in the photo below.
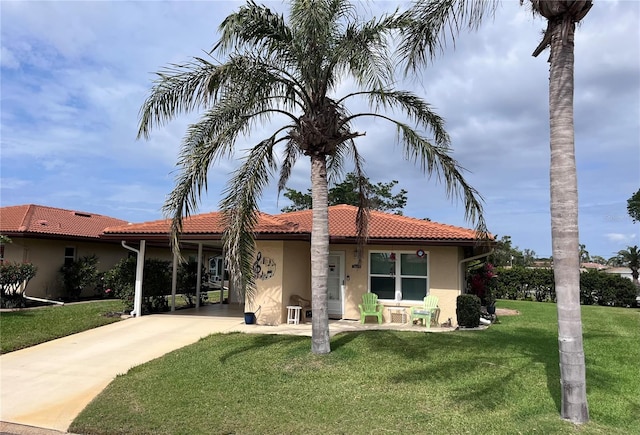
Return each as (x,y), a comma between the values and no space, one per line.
(564,224)
(319,256)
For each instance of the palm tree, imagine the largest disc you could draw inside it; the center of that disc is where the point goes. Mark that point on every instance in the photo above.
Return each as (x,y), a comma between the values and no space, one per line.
(288,70)
(630,257)
(427,24)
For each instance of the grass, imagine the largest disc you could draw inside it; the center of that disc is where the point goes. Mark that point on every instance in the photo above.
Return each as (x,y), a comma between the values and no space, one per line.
(26,328)
(501,380)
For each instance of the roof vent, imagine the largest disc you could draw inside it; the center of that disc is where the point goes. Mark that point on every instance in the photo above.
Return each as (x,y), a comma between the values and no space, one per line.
(77,213)
(42,222)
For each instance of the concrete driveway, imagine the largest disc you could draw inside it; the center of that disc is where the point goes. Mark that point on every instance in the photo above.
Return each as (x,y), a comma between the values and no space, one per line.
(49,384)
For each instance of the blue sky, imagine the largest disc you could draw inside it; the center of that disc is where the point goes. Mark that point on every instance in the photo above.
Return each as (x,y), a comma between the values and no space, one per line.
(75,73)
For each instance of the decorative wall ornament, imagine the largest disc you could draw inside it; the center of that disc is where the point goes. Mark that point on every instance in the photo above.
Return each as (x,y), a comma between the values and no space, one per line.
(264,267)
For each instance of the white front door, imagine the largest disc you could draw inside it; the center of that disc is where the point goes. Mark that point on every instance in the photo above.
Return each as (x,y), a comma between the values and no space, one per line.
(335,285)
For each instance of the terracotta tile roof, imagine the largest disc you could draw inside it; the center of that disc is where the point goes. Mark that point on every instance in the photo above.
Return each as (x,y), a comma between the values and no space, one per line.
(33,219)
(206,223)
(342,220)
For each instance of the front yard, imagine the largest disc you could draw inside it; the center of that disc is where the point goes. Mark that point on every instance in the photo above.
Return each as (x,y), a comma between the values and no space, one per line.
(24,328)
(501,380)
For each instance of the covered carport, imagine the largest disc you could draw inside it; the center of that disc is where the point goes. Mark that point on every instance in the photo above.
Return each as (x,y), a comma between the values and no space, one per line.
(205,246)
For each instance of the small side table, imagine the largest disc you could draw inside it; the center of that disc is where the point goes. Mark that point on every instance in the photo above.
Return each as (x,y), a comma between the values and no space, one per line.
(397,310)
(293,314)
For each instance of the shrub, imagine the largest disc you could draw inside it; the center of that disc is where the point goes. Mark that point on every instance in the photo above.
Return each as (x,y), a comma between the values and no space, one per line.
(80,274)
(187,279)
(520,283)
(468,310)
(596,287)
(482,283)
(156,283)
(12,276)
(602,288)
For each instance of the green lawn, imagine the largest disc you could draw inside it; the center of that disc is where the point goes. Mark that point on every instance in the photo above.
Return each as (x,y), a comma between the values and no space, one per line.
(504,380)
(26,328)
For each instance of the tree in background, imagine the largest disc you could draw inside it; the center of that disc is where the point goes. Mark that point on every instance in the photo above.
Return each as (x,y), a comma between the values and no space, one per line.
(378,196)
(505,254)
(584,254)
(630,258)
(265,66)
(633,206)
(599,260)
(429,24)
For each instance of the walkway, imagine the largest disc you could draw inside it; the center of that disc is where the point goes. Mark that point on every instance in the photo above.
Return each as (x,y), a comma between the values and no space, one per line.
(46,386)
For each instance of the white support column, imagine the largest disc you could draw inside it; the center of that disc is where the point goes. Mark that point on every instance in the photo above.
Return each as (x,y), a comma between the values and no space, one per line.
(137,298)
(199,279)
(174,282)
(139,276)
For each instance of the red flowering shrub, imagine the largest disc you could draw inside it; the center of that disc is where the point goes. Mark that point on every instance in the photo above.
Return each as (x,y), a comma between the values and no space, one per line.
(481,283)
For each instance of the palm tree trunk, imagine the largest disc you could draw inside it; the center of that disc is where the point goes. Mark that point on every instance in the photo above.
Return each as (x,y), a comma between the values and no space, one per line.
(319,256)
(564,225)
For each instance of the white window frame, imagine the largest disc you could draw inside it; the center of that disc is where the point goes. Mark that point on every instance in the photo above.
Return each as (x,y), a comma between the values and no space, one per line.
(397,273)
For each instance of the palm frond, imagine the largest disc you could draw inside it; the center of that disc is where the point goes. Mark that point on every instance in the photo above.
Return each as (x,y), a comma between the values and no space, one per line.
(291,154)
(178,89)
(240,211)
(253,27)
(415,107)
(429,24)
(363,51)
(435,159)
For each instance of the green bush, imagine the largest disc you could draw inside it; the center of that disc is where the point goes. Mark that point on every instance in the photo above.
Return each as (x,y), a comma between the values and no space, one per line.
(80,274)
(468,311)
(602,288)
(187,279)
(12,275)
(596,287)
(156,283)
(520,283)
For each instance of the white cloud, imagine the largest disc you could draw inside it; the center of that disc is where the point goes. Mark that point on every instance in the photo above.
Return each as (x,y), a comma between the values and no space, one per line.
(620,238)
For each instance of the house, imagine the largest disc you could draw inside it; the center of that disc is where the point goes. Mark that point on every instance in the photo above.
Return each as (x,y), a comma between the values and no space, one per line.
(404,259)
(50,237)
(624,272)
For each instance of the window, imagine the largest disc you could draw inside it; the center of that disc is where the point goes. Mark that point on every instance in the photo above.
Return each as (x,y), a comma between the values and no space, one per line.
(69,255)
(216,272)
(399,275)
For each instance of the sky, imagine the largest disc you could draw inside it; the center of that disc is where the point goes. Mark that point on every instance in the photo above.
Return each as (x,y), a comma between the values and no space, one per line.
(74,75)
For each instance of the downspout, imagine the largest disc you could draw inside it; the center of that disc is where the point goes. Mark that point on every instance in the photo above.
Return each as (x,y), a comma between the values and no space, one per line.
(199,275)
(49,301)
(137,299)
(466,260)
(32,298)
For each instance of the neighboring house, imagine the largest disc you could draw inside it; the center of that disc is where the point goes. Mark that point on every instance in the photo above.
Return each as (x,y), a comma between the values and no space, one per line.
(49,237)
(592,266)
(624,272)
(404,259)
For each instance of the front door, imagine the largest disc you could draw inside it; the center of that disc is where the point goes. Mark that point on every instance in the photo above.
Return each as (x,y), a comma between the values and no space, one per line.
(335,285)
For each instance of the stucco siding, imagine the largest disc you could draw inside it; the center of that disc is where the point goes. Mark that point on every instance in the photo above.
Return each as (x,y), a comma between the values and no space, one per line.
(267,302)
(296,268)
(48,256)
(443,279)
(291,274)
